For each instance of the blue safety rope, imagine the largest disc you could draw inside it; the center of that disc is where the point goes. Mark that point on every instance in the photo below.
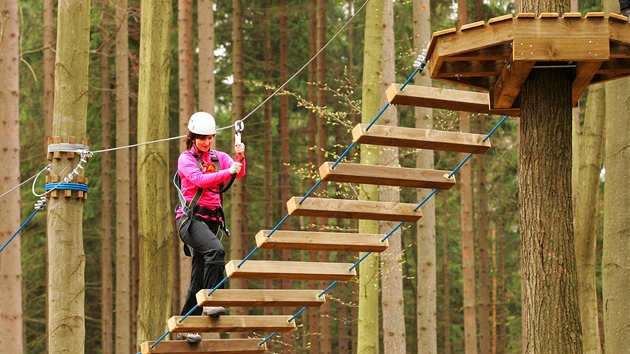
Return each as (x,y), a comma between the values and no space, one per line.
(18,231)
(66,186)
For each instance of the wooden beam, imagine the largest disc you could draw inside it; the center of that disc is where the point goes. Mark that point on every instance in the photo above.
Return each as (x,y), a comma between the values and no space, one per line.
(218,346)
(386,175)
(585,71)
(434,97)
(420,138)
(321,241)
(353,209)
(222,324)
(283,270)
(508,86)
(561,49)
(261,298)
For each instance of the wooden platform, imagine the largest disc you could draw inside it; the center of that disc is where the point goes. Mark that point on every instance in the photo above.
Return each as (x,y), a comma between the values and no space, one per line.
(321,241)
(429,139)
(498,56)
(218,346)
(206,324)
(261,298)
(442,98)
(354,209)
(386,175)
(283,270)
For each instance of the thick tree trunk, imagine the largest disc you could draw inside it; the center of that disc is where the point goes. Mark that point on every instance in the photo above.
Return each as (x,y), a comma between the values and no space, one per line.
(368,336)
(66,258)
(107,284)
(11,336)
(586,223)
(155,228)
(549,281)
(426,300)
(615,260)
(123,189)
(446,318)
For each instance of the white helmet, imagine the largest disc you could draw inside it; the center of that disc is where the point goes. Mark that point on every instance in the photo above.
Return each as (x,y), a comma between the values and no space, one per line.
(202,123)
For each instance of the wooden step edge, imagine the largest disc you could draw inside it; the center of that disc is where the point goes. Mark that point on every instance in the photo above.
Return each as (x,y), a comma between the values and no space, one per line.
(386,175)
(354,209)
(283,270)
(223,324)
(386,135)
(261,298)
(218,346)
(321,241)
(449,99)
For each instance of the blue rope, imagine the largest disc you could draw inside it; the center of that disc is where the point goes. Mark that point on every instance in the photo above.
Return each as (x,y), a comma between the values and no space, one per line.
(18,231)
(66,186)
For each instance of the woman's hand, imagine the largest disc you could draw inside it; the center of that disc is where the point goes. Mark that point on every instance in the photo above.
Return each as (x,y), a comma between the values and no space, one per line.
(235,168)
(240,150)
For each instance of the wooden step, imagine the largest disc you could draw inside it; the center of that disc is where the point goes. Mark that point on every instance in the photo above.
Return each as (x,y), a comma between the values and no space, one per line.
(321,241)
(222,324)
(261,297)
(430,139)
(353,209)
(386,175)
(454,100)
(283,270)
(218,346)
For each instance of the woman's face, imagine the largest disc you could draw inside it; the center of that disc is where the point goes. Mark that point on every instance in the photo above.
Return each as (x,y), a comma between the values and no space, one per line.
(204,143)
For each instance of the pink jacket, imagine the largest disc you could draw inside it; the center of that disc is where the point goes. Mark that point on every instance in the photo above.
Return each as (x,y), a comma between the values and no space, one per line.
(192,177)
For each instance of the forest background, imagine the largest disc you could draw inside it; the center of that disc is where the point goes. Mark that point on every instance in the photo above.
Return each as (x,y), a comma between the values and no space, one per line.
(321,112)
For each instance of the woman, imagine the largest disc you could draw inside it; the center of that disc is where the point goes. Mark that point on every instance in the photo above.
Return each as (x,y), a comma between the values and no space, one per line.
(197,170)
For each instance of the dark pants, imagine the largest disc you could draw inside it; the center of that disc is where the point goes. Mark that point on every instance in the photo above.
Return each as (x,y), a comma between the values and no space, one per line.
(208,261)
(623,4)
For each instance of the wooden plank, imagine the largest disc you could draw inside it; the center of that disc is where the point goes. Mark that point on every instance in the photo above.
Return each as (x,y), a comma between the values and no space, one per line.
(207,346)
(386,175)
(595,15)
(509,83)
(321,241)
(555,29)
(222,324)
(261,298)
(618,17)
(434,97)
(472,25)
(526,15)
(549,15)
(420,138)
(572,15)
(500,19)
(561,49)
(353,209)
(585,71)
(283,270)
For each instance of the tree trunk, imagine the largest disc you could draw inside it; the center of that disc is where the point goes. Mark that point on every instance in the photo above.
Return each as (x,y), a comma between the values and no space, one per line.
(482,244)
(446,278)
(468,248)
(313,313)
(155,228)
(107,293)
(586,223)
(186,75)
(11,336)
(238,107)
(501,296)
(205,20)
(615,261)
(123,189)
(49,65)
(549,282)
(426,300)
(368,336)
(66,258)
(392,300)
